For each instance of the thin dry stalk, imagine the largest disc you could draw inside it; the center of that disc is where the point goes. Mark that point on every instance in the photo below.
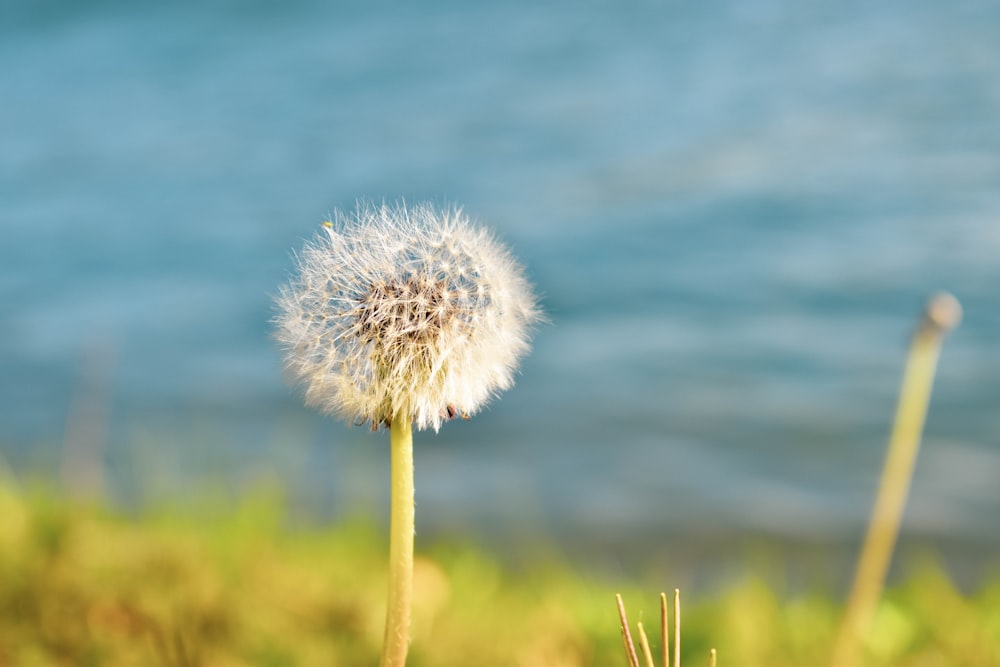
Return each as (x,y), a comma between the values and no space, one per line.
(633,659)
(665,648)
(644,644)
(647,653)
(677,627)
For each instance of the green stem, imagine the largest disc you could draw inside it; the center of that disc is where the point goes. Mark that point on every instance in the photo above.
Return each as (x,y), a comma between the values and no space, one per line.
(873,563)
(401,529)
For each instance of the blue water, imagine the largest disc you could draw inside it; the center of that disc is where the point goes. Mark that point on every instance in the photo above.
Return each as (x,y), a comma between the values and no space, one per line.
(733,211)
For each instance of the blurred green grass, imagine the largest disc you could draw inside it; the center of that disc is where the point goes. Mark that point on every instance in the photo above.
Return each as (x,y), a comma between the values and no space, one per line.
(216,584)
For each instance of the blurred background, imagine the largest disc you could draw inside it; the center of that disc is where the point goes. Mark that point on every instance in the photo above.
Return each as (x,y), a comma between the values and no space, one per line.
(733,211)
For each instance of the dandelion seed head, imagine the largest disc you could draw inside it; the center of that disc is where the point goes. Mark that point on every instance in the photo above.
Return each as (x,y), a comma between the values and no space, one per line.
(404,312)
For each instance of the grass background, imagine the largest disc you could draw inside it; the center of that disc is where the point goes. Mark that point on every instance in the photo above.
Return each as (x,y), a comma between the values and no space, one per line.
(217,583)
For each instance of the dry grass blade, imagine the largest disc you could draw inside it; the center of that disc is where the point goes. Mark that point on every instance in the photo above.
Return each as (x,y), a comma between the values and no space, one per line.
(677,627)
(644,644)
(665,648)
(633,659)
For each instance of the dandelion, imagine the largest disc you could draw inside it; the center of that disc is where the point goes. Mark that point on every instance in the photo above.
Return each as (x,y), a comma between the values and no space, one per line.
(408,312)
(397,317)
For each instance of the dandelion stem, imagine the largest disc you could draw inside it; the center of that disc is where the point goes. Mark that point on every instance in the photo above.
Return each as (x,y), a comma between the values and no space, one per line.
(401,529)
(942,313)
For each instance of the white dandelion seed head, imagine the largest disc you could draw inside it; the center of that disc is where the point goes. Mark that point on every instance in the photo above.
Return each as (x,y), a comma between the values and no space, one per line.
(404,312)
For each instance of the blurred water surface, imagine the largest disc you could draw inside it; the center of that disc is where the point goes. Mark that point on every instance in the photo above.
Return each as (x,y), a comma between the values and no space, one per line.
(733,211)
